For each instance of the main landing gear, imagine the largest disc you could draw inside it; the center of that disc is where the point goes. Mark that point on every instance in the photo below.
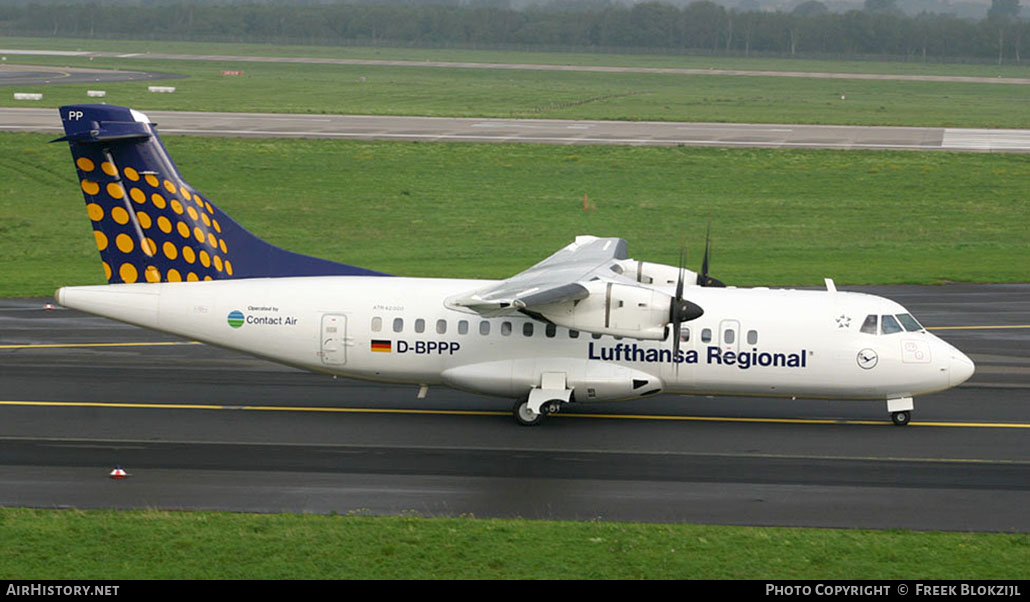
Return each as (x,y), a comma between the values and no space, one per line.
(901,418)
(525,415)
(543,400)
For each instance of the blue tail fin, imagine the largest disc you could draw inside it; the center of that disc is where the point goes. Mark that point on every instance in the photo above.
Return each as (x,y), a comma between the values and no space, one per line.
(152,226)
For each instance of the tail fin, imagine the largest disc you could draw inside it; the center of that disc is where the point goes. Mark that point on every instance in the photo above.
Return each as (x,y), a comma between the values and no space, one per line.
(149,224)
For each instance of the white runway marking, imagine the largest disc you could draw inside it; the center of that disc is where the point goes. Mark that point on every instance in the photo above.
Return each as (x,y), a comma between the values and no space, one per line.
(971,139)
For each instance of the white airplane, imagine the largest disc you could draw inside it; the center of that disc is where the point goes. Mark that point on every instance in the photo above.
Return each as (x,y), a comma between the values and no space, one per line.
(587,324)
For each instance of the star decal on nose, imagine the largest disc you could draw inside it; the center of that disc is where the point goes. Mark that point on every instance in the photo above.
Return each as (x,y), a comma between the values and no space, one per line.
(844,321)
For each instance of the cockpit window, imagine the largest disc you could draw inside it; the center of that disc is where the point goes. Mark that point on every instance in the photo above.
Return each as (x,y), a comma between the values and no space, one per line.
(869,326)
(909,322)
(890,325)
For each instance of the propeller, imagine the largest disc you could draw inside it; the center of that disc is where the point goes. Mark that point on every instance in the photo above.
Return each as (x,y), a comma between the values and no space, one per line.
(681,310)
(703,279)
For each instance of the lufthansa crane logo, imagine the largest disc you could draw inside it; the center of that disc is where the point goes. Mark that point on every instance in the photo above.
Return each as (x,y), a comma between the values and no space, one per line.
(867,359)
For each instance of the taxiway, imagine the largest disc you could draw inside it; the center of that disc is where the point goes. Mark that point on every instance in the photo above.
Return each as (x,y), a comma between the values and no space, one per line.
(202,428)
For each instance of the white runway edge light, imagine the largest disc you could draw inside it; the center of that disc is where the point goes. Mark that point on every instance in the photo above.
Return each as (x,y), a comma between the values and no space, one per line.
(28,96)
(161,89)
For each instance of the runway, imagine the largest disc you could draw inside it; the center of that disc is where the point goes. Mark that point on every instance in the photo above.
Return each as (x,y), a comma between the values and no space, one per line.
(551,131)
(1019,81)
(37,75)
(199,427)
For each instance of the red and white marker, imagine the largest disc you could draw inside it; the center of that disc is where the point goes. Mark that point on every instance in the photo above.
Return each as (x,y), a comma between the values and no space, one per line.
(118,473)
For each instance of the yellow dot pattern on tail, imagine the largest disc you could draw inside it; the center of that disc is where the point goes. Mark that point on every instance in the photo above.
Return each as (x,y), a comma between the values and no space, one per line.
(149,224)
(133,212)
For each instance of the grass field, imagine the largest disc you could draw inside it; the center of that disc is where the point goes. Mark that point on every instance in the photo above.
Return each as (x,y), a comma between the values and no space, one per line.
(481,210)
(42,544)
(912,67)
(382,90)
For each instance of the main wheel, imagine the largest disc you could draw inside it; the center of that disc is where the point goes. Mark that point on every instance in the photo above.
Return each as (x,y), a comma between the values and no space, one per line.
(901,418)
(525,416)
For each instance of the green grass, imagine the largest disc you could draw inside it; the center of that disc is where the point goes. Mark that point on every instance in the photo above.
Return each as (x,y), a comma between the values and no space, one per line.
(42,544)
(482,210)
(383,90)
(678,61)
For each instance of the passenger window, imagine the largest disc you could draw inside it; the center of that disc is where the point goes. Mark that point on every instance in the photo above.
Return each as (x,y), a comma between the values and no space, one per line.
(484,328)
(596,335)
(377,324)
(550,330)
(420,325)
(752,337)
(398,324)
(889,325)
(869,326)
(728,336)
(527,329)
(505,328)
(684,335)
(463,326)
(441,327)
(909,322)
(573,334)
(706,335)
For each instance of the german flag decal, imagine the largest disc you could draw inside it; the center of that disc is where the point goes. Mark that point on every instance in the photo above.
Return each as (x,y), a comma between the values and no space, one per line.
(380,346)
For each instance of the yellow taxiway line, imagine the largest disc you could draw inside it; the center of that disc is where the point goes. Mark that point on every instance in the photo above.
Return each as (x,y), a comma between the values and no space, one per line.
(653,417)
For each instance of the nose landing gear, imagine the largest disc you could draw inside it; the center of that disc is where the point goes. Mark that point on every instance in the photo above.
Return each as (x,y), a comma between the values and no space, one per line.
(900,409)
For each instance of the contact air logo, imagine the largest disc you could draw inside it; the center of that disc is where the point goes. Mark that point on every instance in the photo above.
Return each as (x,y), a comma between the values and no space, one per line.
(236,318)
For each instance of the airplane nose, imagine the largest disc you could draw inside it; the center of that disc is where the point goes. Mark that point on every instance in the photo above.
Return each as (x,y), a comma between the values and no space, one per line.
(960,368)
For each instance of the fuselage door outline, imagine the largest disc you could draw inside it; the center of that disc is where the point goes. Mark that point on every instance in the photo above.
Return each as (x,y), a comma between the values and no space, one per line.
(334,339)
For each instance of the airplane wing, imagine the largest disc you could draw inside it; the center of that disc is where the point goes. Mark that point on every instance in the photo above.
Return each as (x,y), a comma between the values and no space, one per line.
(582,287)
(559,278)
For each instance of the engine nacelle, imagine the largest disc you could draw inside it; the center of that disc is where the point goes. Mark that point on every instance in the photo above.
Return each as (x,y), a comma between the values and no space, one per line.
(654,273)
(615,309)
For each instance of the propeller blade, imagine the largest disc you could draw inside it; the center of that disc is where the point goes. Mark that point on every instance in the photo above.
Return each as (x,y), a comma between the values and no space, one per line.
(679,281)
(703,279)
(675,341)
(681,310)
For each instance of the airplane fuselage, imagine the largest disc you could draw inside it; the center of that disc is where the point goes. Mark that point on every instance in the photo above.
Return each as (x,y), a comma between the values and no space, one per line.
(750,341)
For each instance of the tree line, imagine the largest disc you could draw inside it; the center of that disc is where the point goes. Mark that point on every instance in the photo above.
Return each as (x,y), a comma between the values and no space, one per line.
(700,27)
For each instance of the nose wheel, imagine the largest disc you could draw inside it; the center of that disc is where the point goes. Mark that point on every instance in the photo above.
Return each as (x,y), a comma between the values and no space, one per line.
(901,418)
(900,409)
